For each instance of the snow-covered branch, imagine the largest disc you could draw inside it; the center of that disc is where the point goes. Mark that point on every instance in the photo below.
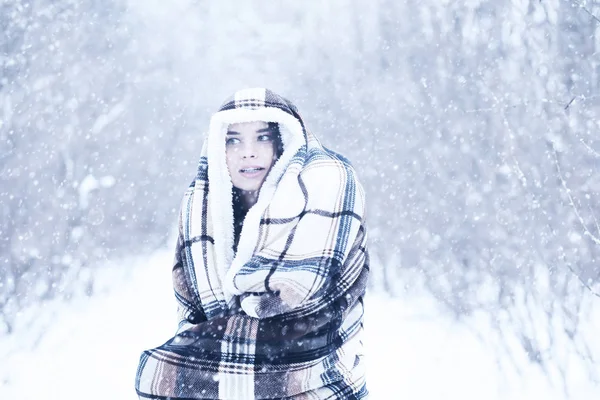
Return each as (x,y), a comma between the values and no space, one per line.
(503,107)
(586,10)
(594,238)
(586,230)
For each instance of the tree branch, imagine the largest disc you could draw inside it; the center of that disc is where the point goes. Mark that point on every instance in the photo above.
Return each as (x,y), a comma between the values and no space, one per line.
(499,107)
(587,146)
(585,284)
(584,8)
(571,102)
(594,238)
(571,200)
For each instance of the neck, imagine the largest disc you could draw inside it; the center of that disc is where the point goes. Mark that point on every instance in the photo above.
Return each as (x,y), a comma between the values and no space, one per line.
(249,198)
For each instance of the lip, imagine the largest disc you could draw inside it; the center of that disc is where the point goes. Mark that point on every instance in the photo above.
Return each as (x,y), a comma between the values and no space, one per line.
(259,171)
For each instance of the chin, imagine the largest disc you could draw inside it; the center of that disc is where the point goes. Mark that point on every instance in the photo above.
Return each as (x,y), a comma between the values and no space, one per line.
(246,187)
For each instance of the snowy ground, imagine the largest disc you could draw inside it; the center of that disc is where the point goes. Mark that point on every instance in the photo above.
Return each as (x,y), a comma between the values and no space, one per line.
(90,348)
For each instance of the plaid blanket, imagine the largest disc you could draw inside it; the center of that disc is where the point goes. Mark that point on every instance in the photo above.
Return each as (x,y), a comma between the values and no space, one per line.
(282,318)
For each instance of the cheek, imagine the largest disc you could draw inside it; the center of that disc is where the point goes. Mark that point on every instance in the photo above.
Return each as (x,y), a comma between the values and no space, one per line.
(267,153)
(229,160)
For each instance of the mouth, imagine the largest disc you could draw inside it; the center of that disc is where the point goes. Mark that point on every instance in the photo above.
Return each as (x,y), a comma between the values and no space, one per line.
(251,172)
(251,169)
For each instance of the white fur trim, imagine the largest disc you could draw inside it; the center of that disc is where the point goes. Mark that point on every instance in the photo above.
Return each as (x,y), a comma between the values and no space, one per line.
(250,304)
(219,195)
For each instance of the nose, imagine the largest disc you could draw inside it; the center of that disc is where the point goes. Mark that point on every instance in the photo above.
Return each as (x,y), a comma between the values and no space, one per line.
(249,151)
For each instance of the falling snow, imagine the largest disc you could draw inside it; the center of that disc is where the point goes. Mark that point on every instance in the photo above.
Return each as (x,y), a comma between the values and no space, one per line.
(473,127)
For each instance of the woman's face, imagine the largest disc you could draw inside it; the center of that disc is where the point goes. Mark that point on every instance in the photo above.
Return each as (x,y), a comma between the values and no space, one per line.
(251,152)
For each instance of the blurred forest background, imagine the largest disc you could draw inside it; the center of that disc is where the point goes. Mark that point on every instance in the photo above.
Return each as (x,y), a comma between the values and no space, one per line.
(474,126)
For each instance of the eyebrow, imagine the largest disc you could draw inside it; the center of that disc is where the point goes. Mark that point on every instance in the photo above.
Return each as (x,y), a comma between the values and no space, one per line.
(263,130)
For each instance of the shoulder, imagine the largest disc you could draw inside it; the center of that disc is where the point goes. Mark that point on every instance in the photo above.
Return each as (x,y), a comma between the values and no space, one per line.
(328,167)
(330,181)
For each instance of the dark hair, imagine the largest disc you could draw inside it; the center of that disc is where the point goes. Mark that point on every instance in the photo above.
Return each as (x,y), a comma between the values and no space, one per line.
(239,213)
(274,127)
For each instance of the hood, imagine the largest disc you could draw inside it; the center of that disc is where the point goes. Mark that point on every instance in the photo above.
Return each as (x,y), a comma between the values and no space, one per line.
(255,104)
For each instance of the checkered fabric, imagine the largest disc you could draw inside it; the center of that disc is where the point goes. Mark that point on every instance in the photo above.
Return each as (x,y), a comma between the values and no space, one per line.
(282,318)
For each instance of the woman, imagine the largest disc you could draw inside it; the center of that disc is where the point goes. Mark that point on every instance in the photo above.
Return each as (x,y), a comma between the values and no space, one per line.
(270,268)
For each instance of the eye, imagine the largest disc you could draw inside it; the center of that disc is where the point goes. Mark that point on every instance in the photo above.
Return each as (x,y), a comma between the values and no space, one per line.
(232,140)
(265,138)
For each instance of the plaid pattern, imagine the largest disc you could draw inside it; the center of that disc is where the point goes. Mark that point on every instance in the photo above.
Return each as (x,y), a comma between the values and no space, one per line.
(283,317)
